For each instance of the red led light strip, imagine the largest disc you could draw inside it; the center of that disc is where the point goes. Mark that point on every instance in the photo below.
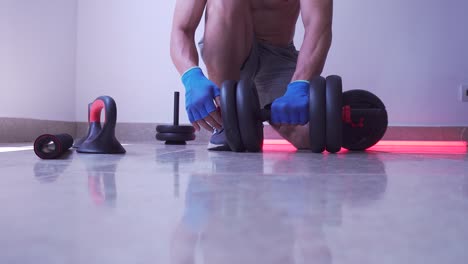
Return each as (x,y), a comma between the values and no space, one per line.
(433,147)
(423,143)
(389,143)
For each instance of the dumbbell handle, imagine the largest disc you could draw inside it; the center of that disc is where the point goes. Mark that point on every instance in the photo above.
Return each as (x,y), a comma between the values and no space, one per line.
(176,109)
(265,114)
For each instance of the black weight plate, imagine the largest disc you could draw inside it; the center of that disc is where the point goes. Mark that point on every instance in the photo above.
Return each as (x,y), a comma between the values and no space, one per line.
(334,105)
(175,129)
(317,115)
(229,115)
(248,112)
(175,137)
(367,120)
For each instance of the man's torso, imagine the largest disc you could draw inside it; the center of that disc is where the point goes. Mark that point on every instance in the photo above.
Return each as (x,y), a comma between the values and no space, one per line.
(275,20)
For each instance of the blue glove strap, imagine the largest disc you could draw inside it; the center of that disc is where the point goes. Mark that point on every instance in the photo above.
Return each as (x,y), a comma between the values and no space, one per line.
(298,88)
(194,72)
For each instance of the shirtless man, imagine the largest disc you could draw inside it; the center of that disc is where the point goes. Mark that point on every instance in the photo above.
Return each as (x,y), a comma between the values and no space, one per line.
(252,39)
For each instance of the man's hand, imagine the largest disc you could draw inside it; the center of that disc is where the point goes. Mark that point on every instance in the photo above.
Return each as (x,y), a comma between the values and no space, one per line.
(293,107)
(199,95)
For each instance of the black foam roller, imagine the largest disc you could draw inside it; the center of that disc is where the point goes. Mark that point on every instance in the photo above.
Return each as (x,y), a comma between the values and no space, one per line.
(52,146)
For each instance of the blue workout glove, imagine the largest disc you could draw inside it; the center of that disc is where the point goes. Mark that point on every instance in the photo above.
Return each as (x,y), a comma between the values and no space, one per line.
(199,94)
(293,107)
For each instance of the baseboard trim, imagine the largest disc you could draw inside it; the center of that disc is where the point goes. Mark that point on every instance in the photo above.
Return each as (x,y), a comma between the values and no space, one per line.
(26,130)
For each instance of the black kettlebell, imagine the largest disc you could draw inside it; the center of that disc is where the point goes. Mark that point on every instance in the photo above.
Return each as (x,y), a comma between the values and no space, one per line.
(101,138)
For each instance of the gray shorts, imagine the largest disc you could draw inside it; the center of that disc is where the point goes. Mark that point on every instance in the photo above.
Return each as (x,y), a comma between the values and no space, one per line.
(270,67)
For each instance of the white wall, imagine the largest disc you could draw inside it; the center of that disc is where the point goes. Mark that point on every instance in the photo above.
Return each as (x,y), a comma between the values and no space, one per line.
(413,54)
(37,59)
(410,53)
(123,51)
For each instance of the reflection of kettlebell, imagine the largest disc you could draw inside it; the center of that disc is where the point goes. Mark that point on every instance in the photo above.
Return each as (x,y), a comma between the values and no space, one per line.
(101,173)
(102,187)
(102,140)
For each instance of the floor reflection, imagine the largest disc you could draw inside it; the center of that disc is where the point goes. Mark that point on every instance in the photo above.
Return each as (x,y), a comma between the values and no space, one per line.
(100,170)
(258,217)
(182,156)
(102,186)
(47,172)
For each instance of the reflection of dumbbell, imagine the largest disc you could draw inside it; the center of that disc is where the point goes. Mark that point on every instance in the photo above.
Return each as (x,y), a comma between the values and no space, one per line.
(175,158)
(355,120)
(175,134)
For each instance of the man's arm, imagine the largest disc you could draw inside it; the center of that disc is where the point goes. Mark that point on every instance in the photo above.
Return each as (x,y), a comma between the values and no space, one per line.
(187,16)
(317,18)
(200,91)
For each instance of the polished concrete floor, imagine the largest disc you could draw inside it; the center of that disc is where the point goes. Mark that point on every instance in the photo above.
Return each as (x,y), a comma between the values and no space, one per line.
(183,204)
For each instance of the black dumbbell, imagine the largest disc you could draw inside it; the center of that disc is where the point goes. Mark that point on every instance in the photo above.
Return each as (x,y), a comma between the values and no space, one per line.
(175,134)
(355,120)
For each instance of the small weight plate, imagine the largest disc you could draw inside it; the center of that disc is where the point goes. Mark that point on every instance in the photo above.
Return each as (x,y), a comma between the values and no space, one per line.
(175,129)
(365,120)
(229,115)
(248,112)
(317,114)
(334,106)
(175,137)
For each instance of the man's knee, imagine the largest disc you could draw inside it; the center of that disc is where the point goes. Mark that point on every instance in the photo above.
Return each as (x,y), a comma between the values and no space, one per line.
(228,38)
(298,136)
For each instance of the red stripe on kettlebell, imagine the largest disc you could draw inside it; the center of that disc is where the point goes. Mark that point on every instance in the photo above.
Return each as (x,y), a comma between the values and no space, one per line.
(96,108)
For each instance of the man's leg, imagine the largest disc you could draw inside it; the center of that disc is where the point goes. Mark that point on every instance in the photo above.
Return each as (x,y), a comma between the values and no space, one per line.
(227,44)
(228,38)
(298,136)
(277,68)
